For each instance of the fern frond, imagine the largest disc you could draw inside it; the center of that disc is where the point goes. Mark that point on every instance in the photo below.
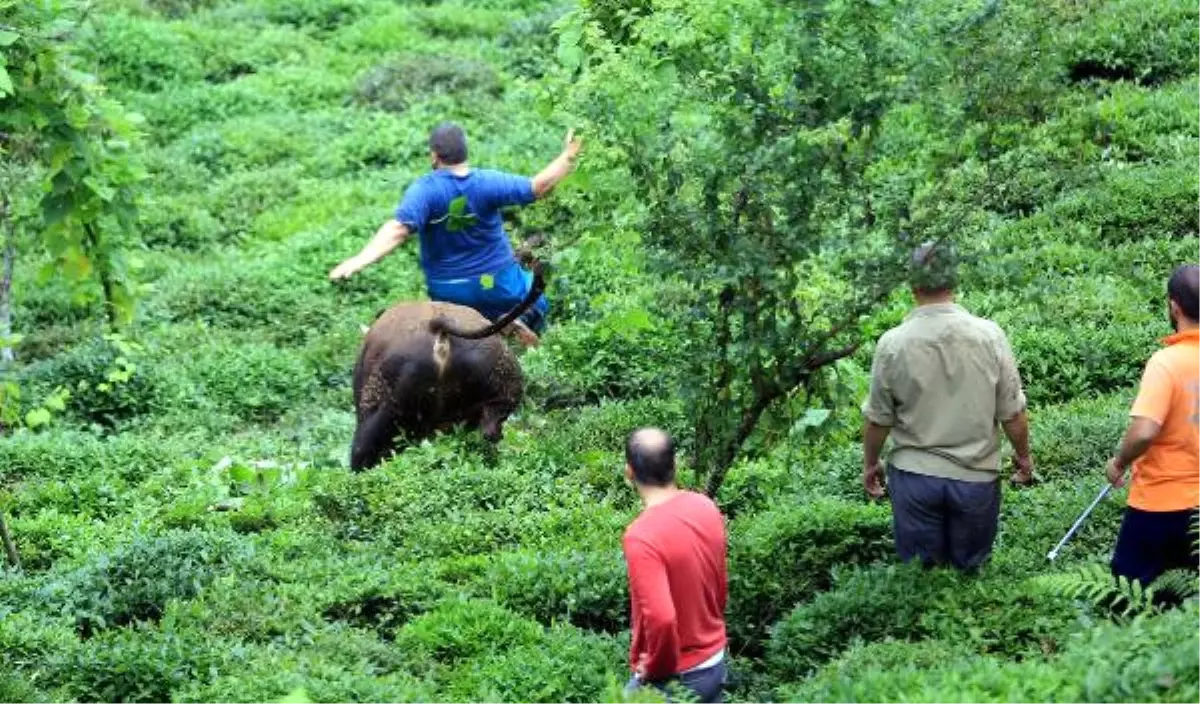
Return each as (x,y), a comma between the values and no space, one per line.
(1096,585)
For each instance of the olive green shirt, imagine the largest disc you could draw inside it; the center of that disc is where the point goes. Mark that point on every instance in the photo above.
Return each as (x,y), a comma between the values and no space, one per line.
(943,380)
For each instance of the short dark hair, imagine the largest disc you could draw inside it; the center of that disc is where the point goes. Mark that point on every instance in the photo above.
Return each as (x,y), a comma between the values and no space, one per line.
(1184,288)
(651,454)
(934,268)
(449,143)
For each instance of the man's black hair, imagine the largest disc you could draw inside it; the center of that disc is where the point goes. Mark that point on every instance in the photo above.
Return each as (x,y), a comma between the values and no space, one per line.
(1184,288)
(934,268)
(449,143)
(651,454)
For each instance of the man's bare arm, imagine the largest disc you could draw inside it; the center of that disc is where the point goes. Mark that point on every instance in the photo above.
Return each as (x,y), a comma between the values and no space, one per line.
(558,169)
(874,436)
(389,236)
(1138,436)
(1017,430)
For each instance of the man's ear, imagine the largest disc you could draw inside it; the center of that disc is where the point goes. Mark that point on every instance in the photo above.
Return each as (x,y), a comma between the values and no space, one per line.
(628,473)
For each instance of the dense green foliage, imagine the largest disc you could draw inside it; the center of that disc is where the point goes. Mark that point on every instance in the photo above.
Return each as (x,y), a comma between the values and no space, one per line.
(188,527)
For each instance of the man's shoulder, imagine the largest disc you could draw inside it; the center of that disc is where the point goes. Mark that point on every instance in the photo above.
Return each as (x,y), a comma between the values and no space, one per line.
(972,322)
(423,184)
(485,176)
(1175,360)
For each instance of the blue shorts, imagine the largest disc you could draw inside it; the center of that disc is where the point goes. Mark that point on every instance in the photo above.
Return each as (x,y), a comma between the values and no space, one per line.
(508,287)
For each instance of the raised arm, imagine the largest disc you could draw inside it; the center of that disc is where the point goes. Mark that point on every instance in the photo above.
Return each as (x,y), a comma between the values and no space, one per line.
(558,169)
(389,236)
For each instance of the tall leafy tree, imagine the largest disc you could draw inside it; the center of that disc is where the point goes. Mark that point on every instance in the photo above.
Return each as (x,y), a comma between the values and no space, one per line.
(763,145)
(82,144)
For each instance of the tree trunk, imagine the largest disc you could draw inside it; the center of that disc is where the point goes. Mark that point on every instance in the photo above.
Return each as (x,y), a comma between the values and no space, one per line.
(104,267)
(8,234)
(10,548)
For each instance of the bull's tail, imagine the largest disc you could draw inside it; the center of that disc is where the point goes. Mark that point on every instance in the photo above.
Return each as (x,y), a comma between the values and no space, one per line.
(442,325)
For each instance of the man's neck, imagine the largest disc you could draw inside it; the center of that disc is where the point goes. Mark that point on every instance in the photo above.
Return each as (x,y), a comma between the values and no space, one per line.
(1187,326)
(457,169)
(933,299)
(654,495)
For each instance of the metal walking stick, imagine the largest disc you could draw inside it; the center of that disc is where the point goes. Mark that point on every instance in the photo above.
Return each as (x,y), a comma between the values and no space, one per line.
(1079,521)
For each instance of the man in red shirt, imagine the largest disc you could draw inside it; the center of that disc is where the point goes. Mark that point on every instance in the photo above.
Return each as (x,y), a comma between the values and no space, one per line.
(675,554)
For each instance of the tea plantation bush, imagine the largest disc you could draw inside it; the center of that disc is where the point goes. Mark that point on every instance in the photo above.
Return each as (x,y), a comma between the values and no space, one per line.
(188,526)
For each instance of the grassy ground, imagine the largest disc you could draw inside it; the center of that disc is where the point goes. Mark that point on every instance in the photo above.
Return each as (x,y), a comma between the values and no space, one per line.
(281,134)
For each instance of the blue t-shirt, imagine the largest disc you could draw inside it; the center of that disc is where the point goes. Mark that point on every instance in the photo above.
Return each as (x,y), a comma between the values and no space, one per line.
(480,245)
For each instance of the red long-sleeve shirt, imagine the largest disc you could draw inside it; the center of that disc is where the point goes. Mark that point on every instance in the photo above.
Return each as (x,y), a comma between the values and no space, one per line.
(675,555)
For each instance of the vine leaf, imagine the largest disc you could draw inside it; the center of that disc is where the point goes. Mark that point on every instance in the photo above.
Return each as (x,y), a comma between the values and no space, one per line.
(459,218)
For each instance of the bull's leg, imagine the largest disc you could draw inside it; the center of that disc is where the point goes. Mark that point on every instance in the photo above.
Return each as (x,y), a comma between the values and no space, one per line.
(374,438)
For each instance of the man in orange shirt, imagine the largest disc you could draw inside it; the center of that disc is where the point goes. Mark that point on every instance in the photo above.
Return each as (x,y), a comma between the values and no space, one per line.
(1163,445)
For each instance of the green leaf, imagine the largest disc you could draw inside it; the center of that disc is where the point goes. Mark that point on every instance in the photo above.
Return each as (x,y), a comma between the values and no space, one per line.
(569,53)
(6,85)
(297,696)
(243,475)
(487,282)
(8,38)
(37,417)
(458,206)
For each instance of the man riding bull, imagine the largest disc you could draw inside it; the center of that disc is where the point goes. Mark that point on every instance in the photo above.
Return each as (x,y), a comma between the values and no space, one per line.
(465,253)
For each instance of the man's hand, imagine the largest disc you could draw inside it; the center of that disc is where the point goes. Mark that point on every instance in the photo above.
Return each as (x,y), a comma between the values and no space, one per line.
(571,145)
(345,270)
(640,670)
(1022,470)
(873,480)
(1115,473)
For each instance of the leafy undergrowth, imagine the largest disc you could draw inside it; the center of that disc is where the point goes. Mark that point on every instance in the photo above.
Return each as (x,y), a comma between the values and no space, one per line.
(187,523)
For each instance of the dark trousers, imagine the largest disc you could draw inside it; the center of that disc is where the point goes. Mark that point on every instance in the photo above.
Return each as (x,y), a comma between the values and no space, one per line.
(706,684)
(942,521)
(1152,542)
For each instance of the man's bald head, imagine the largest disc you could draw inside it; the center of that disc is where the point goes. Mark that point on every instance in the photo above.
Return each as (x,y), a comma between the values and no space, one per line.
(650,453)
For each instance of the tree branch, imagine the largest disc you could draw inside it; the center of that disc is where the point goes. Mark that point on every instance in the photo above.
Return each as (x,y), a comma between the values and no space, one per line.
(10,548)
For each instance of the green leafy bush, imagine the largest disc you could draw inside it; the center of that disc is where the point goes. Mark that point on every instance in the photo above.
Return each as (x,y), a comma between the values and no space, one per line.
(107,378)
(458,22)
(139,664)
(178,8)
(1134,203)
(254,381)
(313,15)
(388,602)
(907,602)
(1152,660)
(460,630)
(785,556)
(66,454)
(1148,42)
(141,53)
(565,666)
(396,85)
(135,582)
(586,589)
(529,41)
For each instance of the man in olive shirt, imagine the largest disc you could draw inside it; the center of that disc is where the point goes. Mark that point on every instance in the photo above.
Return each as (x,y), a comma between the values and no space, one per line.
(941,383)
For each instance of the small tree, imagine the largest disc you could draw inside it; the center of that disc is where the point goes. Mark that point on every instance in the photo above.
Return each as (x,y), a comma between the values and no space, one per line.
(769,151)
(57,117)
(57,120)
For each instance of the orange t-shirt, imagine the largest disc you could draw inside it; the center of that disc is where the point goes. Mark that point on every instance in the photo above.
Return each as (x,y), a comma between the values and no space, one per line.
(1167,476)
